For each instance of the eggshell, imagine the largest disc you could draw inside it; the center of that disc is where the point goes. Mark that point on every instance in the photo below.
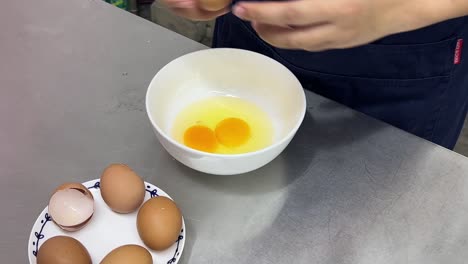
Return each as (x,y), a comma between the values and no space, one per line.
(121,188)
(125,254)
(159,222)
(60,209)
(213,5)
(63,250)
(76,186)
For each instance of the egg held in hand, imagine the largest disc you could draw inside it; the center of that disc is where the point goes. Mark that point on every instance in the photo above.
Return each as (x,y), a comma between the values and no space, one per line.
(213,5)
(159,222)
(121,188)
(63,250)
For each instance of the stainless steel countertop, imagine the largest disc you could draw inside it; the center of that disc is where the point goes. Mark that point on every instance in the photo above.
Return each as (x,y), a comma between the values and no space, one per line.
(349,189)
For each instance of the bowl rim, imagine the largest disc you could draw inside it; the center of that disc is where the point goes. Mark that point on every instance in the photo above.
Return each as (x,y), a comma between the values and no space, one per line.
(275,144)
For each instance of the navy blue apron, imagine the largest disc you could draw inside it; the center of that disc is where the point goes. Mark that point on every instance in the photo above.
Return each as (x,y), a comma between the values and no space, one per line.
(416,81)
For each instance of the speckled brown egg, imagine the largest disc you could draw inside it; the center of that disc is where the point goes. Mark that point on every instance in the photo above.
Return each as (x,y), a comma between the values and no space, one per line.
(159,222)
(63,250)
(121,188)
(126,254)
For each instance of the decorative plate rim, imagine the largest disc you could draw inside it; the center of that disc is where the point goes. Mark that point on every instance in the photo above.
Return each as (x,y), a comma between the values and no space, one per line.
(44,218)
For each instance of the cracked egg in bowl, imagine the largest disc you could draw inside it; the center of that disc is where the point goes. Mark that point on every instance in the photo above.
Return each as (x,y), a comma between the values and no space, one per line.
(225,111)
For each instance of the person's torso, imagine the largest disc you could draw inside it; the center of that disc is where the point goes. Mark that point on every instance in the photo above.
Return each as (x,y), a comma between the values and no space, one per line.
(414,80)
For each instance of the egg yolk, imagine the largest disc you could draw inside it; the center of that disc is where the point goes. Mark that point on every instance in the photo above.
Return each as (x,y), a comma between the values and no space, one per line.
(200,138)
(232,132)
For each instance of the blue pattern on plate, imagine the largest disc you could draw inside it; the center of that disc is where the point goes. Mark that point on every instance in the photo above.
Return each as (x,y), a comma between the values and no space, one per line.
(39,234)
(97,185)
(176,253)
(153,193)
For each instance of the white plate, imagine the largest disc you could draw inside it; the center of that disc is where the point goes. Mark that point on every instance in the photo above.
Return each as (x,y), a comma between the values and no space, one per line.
(106,231)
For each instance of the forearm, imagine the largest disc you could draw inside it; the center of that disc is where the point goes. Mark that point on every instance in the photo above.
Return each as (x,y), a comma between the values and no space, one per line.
(448,9)
(322,25)
(401,16)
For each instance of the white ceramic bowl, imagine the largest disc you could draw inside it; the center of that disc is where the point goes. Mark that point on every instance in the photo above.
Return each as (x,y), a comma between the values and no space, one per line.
(233,72)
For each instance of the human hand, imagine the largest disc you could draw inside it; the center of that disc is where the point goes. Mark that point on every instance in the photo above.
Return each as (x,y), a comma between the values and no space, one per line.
(317,25)
(198,10)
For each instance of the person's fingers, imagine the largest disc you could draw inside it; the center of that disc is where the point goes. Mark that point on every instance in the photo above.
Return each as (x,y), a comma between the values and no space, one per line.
(197,14)
(312,38)
(284,13)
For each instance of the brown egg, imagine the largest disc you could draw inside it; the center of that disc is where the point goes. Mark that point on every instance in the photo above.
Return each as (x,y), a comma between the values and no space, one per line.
(134,254)
(159,222)
(71,206)
(122,189)
(213,5)
(63,250)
